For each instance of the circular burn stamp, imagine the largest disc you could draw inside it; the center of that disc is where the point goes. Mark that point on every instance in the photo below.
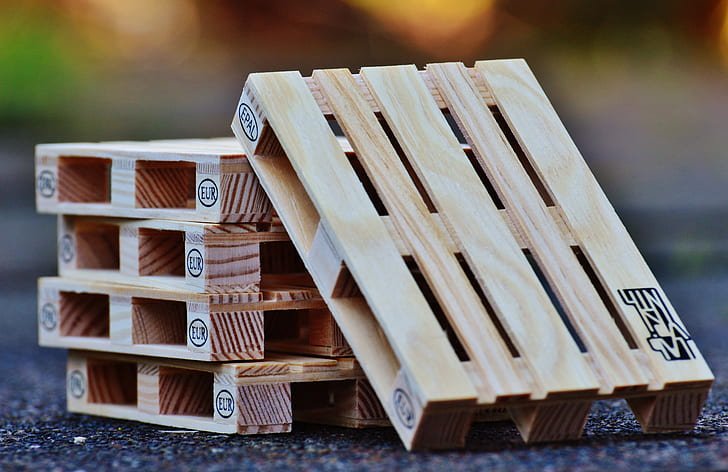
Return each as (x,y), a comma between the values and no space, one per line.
(225,404)
(207,193)
(46,184)
(48,317)
(66,248)
(404,408)
(198,332)
(195,263)
(76,384)
(248,121)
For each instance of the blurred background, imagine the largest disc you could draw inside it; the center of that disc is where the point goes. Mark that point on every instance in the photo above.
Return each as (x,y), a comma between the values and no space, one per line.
(642,87)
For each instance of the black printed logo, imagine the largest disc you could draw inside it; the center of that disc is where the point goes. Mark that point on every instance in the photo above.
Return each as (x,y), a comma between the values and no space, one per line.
(46,183)
(207,193)
(666,336)
(76,384)
(48,317)
(224,404)
(195,263)
(66,248)
(248,121)
(403,407)
(198,332)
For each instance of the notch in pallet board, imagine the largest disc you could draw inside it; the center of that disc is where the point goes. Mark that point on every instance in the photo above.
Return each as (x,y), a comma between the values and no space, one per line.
(552,208)
(190,180)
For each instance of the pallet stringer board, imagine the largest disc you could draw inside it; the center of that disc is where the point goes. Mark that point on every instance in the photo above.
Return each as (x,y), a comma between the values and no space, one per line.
(437,200)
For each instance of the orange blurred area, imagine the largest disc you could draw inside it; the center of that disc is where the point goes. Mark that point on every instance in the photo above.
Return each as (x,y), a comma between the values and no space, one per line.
(641,86)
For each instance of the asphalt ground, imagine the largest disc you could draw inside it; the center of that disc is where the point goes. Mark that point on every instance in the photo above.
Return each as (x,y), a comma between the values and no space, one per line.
(36,433)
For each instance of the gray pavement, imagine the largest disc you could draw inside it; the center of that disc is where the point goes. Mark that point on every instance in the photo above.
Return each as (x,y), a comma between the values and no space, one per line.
(37,433)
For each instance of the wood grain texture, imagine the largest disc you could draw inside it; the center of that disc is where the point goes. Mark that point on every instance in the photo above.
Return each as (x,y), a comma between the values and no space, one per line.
(84,180)
(174,255)
(359,235)
(595,225)
(181,393)
(158,321)
(553,422)
(439,200)
(83,314)
(143,321)
(185,392)
(410,215)
(669,411)
(581,302)
(162,179)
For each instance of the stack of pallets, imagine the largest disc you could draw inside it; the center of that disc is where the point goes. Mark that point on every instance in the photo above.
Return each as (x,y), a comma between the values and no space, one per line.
(455,233)
(181,297)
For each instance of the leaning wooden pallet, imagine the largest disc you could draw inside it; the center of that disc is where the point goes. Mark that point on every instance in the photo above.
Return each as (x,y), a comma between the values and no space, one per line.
(407,237)
(199,257)
(246,398)
(287,316)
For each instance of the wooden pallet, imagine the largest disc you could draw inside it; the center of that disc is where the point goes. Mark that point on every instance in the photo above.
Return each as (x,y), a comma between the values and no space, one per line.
(246,398)
(496,277)
(185,325)
(189,180)
(198,257)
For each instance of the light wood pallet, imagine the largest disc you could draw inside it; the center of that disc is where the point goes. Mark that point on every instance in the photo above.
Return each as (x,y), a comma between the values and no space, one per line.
(246,398)
(199,257)
(498,277)
(189,180)
(287,315)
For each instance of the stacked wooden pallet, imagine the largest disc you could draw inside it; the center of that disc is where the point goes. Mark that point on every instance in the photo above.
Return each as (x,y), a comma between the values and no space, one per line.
(202,318)
(455,233)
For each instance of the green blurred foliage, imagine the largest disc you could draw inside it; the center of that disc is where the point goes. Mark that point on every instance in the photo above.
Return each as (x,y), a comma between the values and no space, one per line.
(39,68)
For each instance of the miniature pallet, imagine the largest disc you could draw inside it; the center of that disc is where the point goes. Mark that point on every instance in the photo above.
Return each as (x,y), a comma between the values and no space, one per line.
(190,180)
(514,250)
(184,325)
(246,398)
(173,255)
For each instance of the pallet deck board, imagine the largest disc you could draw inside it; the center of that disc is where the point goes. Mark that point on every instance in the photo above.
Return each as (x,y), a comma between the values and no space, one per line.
(409,201)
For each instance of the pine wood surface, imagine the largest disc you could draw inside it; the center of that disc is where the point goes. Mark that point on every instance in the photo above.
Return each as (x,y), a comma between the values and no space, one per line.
(247,398)
(106,317)
(514,261)
(174,255)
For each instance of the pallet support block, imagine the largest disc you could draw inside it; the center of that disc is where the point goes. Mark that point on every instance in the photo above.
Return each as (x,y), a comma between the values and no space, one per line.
(527,254)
